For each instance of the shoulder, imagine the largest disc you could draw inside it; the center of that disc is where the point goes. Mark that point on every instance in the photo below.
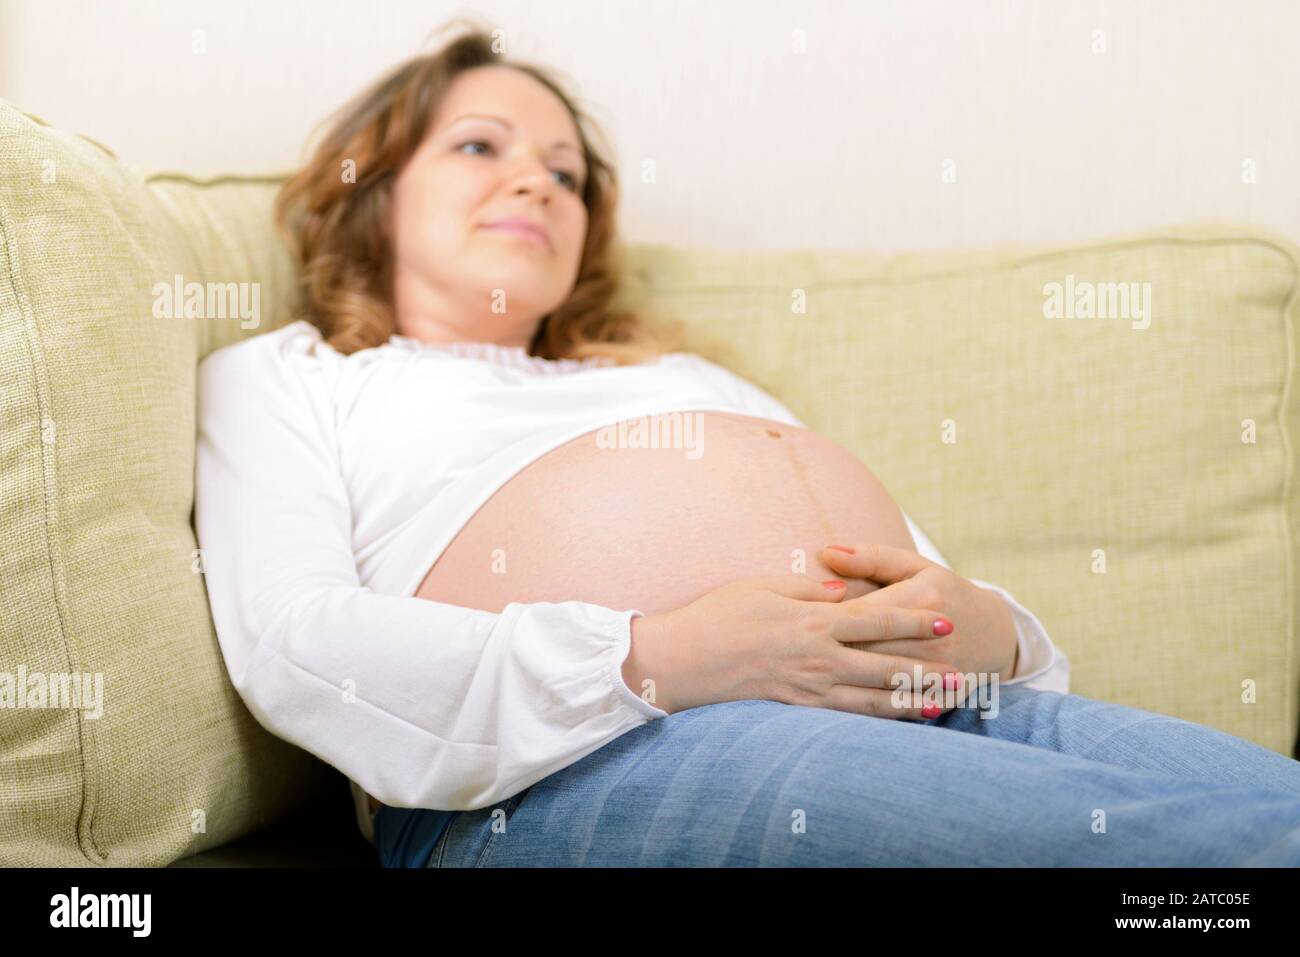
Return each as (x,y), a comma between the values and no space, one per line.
(278,347)
(292,362)
(295,337)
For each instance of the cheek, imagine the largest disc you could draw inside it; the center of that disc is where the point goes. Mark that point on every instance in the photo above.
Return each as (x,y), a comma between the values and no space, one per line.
(427,224)
(575,229)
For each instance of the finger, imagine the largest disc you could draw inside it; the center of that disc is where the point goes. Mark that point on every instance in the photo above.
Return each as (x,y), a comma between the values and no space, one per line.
(804,587)
(917,682)
(879,562)
(858,620)
(904,594)
(895,705)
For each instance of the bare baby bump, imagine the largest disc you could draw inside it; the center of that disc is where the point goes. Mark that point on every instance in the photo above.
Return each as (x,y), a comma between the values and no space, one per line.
(724,497)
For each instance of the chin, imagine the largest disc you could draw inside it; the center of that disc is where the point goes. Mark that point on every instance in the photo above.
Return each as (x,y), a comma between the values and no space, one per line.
(526,286)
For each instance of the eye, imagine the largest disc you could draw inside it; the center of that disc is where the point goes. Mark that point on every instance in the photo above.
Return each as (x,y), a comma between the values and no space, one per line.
(571,185)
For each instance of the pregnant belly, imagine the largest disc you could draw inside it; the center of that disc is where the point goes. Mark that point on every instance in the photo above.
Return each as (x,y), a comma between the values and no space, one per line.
(656,528)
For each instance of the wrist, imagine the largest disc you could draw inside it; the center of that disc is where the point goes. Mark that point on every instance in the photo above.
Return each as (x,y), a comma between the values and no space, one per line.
(643,661)
(1008,618)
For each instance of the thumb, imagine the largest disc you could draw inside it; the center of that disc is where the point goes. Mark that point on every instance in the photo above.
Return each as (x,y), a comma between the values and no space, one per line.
(804,587)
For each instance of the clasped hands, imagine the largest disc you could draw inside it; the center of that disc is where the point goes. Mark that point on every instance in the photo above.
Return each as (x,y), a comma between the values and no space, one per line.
(983,638)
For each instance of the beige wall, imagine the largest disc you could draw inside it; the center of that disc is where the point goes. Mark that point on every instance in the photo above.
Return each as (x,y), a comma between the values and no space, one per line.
(755,142)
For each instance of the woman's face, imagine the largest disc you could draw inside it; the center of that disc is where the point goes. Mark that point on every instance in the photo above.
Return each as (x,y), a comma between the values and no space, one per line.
(501,146)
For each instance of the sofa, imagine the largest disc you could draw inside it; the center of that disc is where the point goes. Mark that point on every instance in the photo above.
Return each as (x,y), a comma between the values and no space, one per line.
(1104,427)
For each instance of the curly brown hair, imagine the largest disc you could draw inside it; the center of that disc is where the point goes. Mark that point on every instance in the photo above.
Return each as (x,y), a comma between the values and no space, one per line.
(336,229)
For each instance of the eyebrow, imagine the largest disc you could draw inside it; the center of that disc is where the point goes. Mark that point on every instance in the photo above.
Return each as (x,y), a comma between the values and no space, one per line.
(559,144)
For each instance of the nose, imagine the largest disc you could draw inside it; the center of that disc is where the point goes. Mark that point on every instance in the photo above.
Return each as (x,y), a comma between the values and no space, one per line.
(532,176)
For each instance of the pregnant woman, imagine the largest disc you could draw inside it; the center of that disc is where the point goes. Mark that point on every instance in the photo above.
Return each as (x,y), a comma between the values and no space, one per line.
(552,593)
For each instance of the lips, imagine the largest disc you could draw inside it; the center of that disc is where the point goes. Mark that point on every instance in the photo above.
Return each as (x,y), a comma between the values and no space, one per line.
(528,228)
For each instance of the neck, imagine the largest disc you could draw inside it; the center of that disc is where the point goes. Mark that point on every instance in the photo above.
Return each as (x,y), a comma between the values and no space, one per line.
(425,313)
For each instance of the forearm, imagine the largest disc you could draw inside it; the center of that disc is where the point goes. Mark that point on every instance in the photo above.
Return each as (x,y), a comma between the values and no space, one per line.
(673,666)
(1038,662)
(644,661)
(1008,636)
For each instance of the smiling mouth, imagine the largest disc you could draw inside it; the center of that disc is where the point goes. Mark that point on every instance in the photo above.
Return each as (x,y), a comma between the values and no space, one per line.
(521,231)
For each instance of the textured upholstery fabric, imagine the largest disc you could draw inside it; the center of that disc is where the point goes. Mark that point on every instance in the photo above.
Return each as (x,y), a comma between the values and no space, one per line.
(1133,487)
(97,566)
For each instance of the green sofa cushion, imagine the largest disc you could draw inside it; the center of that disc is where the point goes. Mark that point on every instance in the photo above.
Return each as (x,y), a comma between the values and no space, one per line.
(98,559)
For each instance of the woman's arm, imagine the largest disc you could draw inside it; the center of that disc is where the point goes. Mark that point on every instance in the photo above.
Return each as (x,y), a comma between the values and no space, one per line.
(1040,663)
(424,704)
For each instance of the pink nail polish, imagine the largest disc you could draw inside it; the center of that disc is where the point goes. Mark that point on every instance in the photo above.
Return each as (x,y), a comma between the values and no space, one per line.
(834,584)
(942,626)
(931,711)
(843,548)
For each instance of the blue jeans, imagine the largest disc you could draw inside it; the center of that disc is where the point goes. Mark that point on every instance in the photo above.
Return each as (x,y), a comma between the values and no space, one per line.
(1052,780)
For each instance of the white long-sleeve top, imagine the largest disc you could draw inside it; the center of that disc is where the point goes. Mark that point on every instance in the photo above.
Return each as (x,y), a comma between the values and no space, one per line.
(326,487)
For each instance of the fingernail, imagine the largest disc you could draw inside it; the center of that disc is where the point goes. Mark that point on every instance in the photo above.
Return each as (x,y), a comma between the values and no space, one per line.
(931,711)
(942,626)
(952,680)
(842,548)
(834,584)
